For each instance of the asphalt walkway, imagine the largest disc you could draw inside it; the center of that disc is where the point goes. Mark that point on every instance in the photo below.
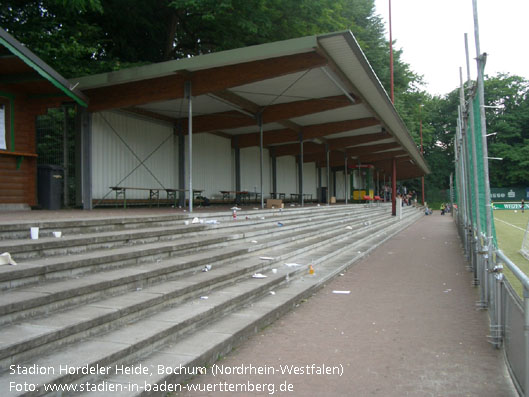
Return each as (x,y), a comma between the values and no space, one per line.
(408,327)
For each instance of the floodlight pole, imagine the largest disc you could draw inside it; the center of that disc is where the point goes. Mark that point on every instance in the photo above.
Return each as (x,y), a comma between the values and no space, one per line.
(391,57)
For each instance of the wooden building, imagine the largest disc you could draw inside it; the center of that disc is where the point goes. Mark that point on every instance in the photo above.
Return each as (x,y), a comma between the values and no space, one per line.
(28,87)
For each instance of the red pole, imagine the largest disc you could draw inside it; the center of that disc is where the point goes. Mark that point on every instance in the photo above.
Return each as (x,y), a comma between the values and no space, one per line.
(391,57)
(422,151)
(394,188)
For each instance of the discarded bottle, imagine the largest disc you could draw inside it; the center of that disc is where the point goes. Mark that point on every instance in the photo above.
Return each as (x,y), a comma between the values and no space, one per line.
(311,270)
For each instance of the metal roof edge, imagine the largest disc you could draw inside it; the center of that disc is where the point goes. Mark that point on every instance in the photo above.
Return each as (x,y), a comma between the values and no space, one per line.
(206,61)
(396,125)
(41,67)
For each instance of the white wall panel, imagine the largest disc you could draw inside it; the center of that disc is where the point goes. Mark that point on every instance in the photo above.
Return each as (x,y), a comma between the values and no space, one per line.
(250,171)
(287,171)
(212,164)
(113,161)
(340,187)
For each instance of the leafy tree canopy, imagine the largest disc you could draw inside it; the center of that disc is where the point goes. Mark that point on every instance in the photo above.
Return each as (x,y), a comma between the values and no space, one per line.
(79,37)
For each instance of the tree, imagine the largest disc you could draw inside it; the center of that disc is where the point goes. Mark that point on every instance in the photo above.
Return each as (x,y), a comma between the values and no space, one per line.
(81,37)
(510,122)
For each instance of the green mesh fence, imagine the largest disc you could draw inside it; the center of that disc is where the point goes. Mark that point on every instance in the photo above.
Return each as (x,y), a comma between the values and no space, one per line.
(482,199)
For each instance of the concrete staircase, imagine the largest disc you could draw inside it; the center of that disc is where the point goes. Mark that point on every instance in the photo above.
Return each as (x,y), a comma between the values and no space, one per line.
(132,293)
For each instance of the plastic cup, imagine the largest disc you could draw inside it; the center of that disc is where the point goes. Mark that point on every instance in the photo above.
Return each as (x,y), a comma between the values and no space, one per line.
(57,234)
(34,232)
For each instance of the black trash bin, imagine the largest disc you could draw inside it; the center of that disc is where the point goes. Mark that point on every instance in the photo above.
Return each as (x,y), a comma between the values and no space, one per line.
(322,194)
(49,186)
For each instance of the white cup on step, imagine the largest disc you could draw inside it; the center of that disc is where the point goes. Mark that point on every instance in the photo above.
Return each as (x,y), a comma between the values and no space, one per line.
(34,232)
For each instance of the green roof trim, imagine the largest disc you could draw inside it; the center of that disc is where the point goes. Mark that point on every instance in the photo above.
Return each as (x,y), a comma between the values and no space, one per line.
(40,67)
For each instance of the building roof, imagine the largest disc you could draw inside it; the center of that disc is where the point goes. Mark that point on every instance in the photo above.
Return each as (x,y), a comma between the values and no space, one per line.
(319,87)
(24,71)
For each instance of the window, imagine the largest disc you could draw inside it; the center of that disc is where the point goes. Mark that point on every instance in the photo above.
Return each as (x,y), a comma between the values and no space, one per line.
(5,123)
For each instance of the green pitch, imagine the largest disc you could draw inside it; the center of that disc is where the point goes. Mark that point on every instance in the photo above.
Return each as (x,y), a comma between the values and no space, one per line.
(510,229)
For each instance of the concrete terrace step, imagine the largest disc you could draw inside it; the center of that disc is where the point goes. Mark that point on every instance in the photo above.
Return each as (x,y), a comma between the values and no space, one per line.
(20,230)
(36,270)
(76,289)
(25,249)
(158,339)
(200,349)
(30,301)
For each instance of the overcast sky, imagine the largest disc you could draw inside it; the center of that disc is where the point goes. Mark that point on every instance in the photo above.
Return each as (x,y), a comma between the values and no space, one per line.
(431,35)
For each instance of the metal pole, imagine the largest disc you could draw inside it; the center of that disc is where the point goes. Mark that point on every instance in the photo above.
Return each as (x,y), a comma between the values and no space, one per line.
(274,171)
(391,57)
(470,224)
(481,59)
(345,178)
(190,140)
(65,153)
(463,182)
(261,161)
(328,173)
(301,168)
(526,339)
(181,165)
(394,188)
(470,115)
(422,150)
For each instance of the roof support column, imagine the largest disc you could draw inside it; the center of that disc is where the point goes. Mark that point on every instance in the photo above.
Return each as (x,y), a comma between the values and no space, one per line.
(327,156)
(65,157)
(300,169)
(334,183)
(187,88)
(394,187)
(83,167)
(274,170)
(237,169)
(261,160)
(345,179)
(181,165)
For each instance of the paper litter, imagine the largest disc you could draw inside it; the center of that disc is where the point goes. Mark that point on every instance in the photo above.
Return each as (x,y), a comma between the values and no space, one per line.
(5,259)
(341,292)
(259,275)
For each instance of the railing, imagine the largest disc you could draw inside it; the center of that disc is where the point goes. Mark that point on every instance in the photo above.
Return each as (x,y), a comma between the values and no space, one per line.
(508,313)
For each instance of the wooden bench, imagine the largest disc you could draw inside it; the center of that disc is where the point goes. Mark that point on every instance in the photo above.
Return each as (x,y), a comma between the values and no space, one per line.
(278,196)
(172,194)
(154,194)
(243,194)
(296,197)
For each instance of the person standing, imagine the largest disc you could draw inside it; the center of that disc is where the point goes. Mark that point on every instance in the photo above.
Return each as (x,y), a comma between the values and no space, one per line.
(523,205)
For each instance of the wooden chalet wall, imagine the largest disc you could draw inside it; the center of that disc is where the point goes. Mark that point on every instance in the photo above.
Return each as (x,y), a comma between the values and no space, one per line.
(18,164)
